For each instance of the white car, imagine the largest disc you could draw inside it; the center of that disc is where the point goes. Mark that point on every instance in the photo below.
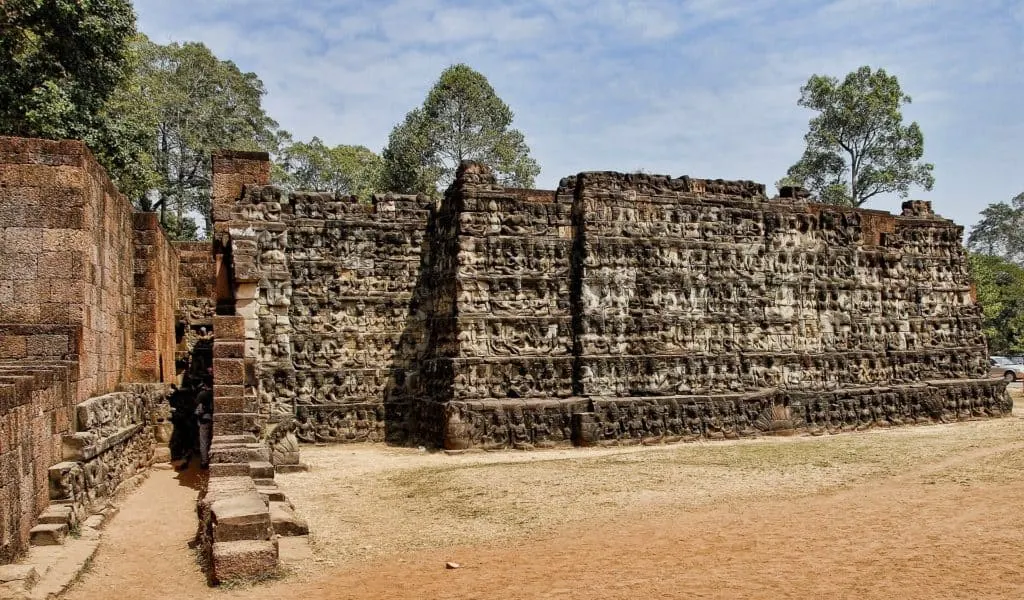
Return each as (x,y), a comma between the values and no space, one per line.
(1000,366)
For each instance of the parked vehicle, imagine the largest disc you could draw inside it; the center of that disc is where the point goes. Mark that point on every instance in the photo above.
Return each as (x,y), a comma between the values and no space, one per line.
(1000,366)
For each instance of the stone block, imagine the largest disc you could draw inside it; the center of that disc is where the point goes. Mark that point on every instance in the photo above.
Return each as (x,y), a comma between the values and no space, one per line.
(271,493)
(223,349)
(228,469)
(26,575)
(232,404)
(234,423)
(242,516)
(228,371)
(228,329)
(238,453)
(48,534)
(261,470)
(56,514)
(285,521)
(244,560)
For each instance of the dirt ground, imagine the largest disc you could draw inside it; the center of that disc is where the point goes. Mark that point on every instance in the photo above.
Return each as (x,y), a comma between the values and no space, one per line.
(919,512)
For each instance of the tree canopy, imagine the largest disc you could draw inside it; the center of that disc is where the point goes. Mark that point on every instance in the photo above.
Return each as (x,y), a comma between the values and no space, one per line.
(189,104)
(62,59)
(344,169)
(858,146)
(1000,232)
(462,118)
(1000,287)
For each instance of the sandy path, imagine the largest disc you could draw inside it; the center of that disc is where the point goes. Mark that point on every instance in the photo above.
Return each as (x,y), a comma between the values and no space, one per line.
(144,552)
(949,528)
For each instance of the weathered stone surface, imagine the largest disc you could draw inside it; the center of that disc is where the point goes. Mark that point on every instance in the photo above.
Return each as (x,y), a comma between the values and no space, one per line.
(241,517)
(244,560)
(285,521)
(619,309)
(49,534)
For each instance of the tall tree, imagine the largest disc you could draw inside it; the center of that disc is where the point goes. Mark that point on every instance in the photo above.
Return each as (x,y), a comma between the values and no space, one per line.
(1000,232)
(343,169)
(1000,287)
(462,118)
(63,61)
(857,146)
(191,103)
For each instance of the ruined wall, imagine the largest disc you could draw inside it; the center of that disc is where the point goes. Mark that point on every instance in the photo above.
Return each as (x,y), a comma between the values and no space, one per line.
(73,260)
(34,414)
(502,361)
(65,262)
(154,301)
(196,301)
(618,309)
(703,301)
(333,294)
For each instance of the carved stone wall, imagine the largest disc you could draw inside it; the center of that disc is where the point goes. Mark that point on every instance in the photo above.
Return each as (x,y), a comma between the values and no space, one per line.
(702,290)
(196,303)
(335,282)
(618,309)
(112,443)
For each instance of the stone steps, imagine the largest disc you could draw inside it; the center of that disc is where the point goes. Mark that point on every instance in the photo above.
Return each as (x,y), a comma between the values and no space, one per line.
(244,560)
(285,521)
(48,534)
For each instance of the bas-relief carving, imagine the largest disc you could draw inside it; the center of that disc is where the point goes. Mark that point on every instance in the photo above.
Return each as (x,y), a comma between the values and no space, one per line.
(642,288)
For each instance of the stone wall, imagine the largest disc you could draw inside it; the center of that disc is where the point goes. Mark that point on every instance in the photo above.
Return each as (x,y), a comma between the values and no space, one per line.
(34,415)
(154,301)
(87,293)
(196,301)
(65,262)
(617,309)
(113,442)
(331,300)
(703,301)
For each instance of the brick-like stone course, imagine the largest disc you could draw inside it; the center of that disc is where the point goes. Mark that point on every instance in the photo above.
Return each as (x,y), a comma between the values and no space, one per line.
(87,293)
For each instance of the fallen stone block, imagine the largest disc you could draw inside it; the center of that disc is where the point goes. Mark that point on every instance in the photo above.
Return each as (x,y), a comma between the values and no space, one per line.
(25,575)
(244,560)
(48,534)
(285,521)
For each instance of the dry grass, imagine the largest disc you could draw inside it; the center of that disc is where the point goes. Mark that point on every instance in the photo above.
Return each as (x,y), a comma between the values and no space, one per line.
(368,501)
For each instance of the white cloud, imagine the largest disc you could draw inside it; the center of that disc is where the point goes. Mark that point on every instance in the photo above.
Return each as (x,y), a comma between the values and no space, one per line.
(699,87)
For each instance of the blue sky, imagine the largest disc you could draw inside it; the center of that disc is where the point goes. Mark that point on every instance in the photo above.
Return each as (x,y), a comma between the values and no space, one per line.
(706,88)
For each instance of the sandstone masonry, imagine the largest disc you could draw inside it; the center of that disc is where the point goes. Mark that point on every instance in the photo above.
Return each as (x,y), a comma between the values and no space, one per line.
(618,309)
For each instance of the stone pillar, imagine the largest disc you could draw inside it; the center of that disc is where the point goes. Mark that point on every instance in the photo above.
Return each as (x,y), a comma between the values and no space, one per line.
(233,170)
(236,327)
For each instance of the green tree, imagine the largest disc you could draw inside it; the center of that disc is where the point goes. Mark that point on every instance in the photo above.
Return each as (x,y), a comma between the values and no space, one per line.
(857,146)
(1000,232)
(462,118)
(354,170)
(63,61)
(1000,288)
(189,103)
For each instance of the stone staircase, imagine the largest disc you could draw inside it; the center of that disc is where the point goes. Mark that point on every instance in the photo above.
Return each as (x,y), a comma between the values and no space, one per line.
(61,546)
(243,511)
